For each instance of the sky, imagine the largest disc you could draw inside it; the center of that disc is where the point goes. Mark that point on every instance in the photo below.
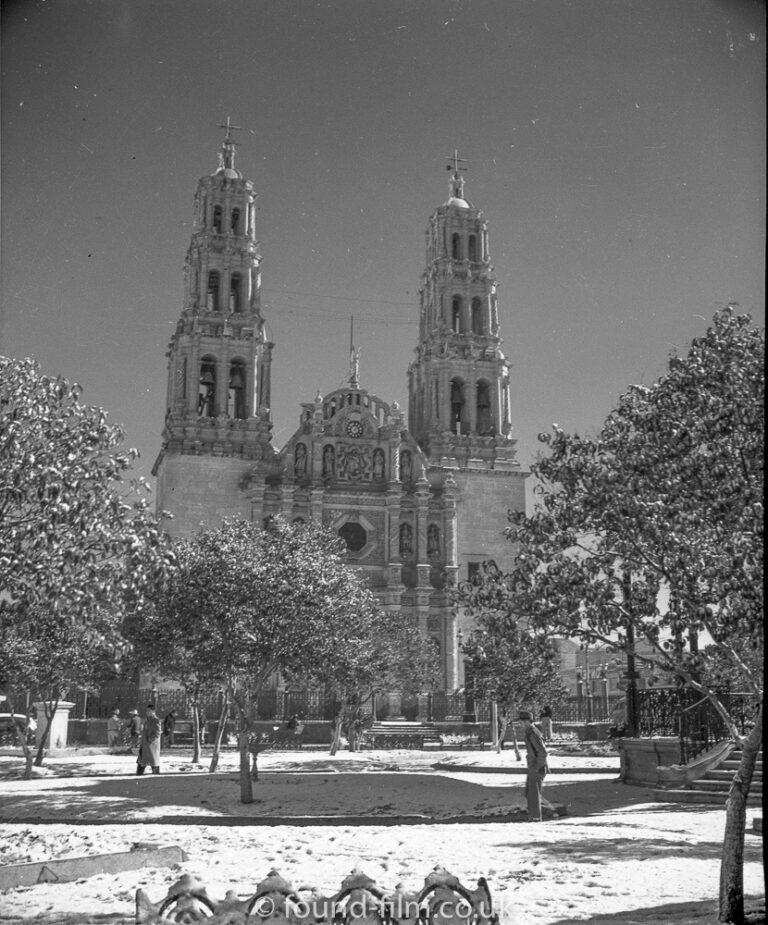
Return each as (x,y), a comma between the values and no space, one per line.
(616,147)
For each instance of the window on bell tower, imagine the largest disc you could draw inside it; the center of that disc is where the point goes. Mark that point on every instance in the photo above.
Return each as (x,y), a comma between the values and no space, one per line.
(217,219)
(234,293)
(477,316)
(456,246)
(457,405)
(235,221)
(206,401)
(236,396)
(456,314)
(473,247)
(484,417)
(212,299)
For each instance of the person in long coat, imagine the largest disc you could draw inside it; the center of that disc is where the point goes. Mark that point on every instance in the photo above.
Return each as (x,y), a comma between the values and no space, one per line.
(537,766)
(149,752)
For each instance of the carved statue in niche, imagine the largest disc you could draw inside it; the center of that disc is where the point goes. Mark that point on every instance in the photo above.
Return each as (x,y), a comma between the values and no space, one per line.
(354,463)
(300,461)
(378,465)
(406,468)
(329,462)
(406,540)
(433,542)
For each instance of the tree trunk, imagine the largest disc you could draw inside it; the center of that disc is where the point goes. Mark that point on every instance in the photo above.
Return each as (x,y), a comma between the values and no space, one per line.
(49,713)
(195,732)
(732,863)
(514,740)
(336,737)
(21,738)
(501,732)
(246,784)
(219,734)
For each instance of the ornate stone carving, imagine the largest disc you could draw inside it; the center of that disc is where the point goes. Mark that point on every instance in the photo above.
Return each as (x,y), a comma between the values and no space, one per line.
(354,463)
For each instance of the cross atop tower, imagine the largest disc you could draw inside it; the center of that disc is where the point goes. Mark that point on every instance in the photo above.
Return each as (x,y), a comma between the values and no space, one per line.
(229,127)
(227,152)
(456,185)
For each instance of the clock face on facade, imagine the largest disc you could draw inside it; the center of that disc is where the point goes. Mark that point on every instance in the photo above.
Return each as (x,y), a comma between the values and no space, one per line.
(354,429)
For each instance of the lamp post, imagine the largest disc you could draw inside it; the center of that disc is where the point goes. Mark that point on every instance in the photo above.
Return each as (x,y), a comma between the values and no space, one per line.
(633,711)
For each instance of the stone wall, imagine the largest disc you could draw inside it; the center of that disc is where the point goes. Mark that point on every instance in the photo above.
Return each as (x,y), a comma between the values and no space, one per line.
(642,758)
(483,499)
(201,490)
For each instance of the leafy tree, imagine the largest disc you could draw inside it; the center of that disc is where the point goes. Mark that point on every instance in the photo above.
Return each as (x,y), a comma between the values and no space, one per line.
(177,643)
(52,657)
(371,650)
(256,601)
(508,661)
(667,498)
(77,541)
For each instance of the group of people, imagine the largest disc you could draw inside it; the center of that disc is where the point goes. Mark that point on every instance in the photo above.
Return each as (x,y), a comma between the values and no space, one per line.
(144,736)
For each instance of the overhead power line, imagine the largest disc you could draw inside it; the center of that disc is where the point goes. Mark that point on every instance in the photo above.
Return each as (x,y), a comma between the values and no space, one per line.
(338,298)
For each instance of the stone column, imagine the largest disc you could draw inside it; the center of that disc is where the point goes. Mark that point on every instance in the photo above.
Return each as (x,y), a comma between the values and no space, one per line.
(470,403)
(445,404)
(193,376)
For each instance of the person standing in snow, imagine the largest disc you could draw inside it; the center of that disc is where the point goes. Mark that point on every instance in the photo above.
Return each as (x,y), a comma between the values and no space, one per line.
(537,765)
(149,753)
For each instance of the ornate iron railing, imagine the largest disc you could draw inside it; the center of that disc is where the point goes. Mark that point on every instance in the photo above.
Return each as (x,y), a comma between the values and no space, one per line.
(693,719)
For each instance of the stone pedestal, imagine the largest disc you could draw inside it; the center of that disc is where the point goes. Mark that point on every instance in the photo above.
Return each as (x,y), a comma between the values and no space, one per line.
(58,736)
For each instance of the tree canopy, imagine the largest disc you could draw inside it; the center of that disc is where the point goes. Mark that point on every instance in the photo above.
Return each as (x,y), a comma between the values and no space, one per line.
(79,549)
(657,523)
(75,537)
(248,601)
(508,660)
(654,529)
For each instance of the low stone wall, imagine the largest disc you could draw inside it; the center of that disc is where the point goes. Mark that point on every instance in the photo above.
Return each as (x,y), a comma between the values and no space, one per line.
(87,732)
(641,758)
(584,732)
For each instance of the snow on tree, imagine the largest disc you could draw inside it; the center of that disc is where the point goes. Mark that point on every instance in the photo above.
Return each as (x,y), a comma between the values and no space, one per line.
(654,530)
(79,549)
(508,661)
(253,601)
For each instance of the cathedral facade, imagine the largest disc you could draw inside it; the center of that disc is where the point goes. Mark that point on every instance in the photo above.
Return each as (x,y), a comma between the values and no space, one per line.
(420,503)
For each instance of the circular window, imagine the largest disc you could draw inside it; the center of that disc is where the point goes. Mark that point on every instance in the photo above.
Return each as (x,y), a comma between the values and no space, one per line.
(354,536)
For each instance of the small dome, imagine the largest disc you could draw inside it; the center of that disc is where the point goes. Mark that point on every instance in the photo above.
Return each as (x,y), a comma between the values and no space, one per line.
(228,172)
(459,203)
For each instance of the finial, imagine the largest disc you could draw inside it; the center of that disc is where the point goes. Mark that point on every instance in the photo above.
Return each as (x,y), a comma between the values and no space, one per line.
(354,357)
(456,184)
(227,151)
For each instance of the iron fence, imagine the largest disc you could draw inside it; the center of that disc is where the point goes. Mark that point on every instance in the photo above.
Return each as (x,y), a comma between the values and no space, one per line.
(693,719)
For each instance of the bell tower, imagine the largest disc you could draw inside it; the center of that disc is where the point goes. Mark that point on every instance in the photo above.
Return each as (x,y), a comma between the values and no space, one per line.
(459,382)
(219,359)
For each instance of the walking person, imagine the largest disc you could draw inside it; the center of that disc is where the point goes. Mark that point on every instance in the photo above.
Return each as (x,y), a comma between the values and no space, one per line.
(546,724)
(149,753)
(169,726)
(113,729)
(134,729)
(537,765)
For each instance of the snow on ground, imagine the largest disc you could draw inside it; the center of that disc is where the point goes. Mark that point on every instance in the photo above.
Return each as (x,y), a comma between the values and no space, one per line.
(615,851)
